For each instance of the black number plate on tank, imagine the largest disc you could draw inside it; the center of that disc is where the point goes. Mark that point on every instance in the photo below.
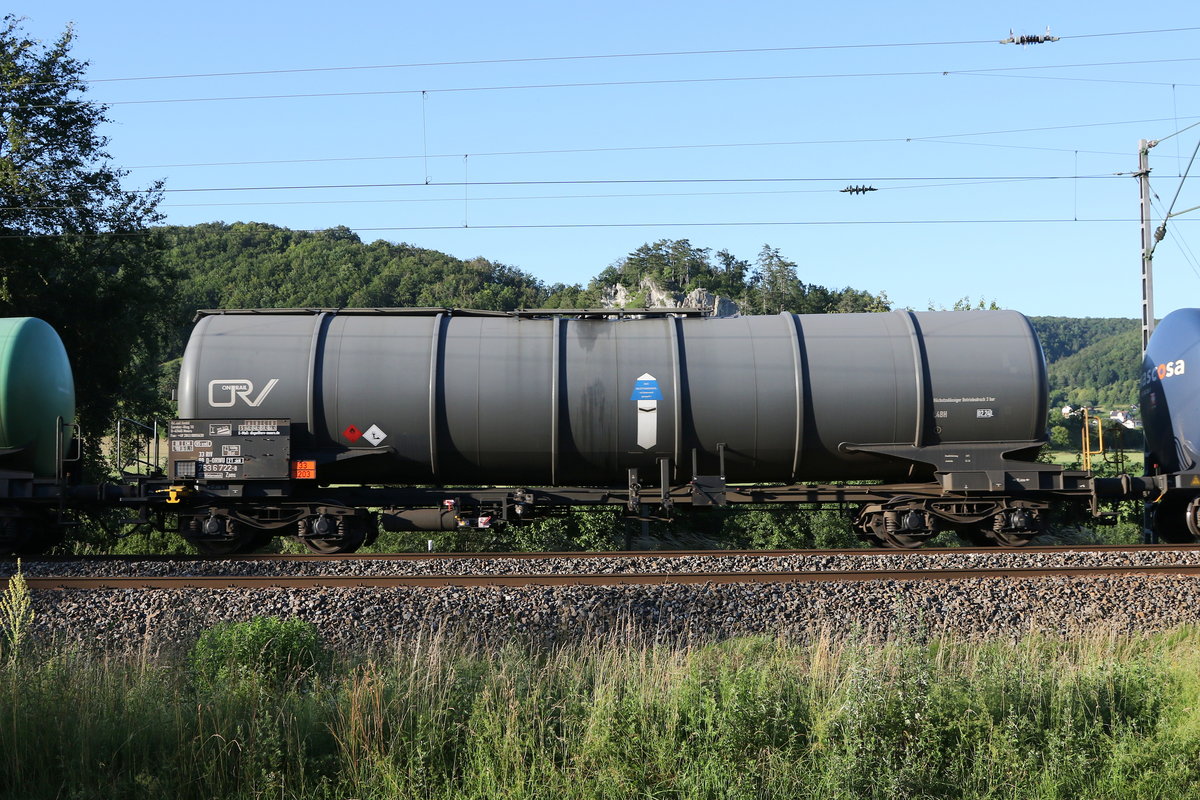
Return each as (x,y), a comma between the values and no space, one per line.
(229,449)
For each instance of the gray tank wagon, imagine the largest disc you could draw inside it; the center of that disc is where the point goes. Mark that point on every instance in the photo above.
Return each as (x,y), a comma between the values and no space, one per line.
(323,423)
(645,409)
(450,398)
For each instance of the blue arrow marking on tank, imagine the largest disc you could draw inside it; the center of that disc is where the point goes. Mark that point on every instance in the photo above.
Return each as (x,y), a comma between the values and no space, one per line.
(646,388)
(647,394)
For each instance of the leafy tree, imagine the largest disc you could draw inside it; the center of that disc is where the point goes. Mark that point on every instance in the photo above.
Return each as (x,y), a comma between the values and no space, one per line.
(678,266)
(965,304)
(775,286)
(74,245)
(770,286)
(774,283)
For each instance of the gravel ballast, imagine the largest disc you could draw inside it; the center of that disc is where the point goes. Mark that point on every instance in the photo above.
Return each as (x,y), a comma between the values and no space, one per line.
(366,618)
(605,564)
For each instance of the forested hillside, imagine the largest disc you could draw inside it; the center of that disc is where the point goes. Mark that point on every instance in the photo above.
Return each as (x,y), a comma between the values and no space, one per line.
(254,265)
(1090,361)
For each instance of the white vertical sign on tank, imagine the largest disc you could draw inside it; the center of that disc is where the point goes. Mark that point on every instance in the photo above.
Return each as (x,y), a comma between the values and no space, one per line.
(646,394)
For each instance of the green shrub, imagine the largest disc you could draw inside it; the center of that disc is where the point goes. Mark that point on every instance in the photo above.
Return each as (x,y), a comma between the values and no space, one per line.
(16,614)
(267,650)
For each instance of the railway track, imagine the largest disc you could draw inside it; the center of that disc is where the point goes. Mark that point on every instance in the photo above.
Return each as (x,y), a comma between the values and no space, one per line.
(375,601)
(585,579)
(857,552)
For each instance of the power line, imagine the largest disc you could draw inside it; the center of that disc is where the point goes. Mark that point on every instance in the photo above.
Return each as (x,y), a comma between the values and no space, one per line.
(1073,66)
(1178,240)
(782,223)
(1181,130)
(618,181)
(552,226)
(590,84)
(1126,33)
(1161,231)
(533,59)
(538,59)
(1029,147)
(707,145)
(1075,80)
(521,198)
(498,88)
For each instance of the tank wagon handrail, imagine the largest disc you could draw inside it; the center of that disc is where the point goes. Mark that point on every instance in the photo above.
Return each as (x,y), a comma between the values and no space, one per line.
(64,453)
(145,453)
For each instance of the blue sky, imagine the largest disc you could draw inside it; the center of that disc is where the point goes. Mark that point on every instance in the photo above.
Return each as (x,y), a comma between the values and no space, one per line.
(1004,183)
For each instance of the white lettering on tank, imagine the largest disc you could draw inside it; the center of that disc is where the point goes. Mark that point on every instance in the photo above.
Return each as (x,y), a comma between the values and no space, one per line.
(225,392)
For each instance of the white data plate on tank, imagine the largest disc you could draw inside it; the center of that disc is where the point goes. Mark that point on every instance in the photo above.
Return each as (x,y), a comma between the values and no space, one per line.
(647,427)
(646,394)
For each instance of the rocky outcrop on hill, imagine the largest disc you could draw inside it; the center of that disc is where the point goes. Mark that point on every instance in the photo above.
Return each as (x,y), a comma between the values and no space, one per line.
(649,294)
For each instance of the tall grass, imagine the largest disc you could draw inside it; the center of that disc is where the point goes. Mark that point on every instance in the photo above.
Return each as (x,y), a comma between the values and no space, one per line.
(1102,717)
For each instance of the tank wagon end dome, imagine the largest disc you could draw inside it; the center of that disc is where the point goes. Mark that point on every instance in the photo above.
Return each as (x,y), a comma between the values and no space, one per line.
(37,389)
(1170,392)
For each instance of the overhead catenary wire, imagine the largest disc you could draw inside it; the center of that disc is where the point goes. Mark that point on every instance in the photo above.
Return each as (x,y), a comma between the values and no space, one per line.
(1125,81)
(593,84)
(944,139)
(577,225)
(1181,130)
(519,198)
(601,56)
(627,181)
(935,138)
(1179,241)
(1162,228)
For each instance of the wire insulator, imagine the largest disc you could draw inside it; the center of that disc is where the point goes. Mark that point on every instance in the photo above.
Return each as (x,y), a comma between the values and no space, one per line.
(1027,38)
(858,189)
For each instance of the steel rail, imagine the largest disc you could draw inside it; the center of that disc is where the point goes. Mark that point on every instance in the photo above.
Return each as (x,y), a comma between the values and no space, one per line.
(857,552)
(606,579)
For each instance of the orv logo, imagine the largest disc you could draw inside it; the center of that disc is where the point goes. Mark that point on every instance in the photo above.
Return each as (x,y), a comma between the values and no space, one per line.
(230,390)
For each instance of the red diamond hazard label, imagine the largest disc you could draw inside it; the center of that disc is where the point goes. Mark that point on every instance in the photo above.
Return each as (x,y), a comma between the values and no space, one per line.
(352,433)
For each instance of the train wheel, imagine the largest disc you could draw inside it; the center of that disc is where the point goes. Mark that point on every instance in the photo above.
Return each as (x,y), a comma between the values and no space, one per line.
(874,527)
(326,535)
(220,536)
(1171,518)
(1009,528)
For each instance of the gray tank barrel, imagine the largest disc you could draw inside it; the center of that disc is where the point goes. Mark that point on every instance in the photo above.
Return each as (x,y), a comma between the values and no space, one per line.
(492,399)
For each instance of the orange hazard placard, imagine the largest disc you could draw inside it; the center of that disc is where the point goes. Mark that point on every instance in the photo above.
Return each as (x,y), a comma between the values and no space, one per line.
(304,470)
